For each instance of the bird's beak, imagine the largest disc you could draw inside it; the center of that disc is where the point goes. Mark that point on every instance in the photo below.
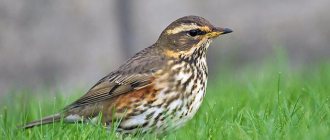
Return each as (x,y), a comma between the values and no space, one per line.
(219,31)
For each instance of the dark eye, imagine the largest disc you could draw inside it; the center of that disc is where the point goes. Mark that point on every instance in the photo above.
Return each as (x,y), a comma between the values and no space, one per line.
(195,32)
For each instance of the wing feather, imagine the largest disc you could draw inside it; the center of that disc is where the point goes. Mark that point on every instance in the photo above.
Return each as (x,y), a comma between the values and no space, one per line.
(108,89)
(136,73)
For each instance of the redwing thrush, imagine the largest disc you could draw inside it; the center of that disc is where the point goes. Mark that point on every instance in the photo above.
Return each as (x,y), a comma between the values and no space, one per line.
(158,89)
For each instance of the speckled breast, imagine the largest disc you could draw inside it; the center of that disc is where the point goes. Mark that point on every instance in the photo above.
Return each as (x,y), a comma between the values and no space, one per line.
(180,91)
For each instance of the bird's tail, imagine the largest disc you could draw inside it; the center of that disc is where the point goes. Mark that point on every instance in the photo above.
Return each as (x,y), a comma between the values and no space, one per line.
(45,120)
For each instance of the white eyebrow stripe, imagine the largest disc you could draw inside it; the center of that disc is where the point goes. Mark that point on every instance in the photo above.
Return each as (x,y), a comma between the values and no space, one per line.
(183,27)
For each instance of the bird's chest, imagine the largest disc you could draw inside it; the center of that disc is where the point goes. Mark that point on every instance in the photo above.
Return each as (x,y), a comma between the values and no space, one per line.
(182,92)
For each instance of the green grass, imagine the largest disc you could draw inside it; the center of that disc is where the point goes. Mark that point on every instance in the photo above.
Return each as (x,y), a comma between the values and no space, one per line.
(265,101)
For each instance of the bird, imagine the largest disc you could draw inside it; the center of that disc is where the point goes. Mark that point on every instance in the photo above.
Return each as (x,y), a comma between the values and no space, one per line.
(157,90)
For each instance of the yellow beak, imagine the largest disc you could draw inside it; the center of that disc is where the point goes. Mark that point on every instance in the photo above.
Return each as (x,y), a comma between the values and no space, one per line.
(219,31)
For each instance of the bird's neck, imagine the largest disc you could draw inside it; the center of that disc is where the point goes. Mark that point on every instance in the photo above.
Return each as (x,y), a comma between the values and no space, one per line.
(198,53)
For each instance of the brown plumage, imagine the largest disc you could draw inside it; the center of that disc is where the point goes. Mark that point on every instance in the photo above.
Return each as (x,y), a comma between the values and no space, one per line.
(158,89)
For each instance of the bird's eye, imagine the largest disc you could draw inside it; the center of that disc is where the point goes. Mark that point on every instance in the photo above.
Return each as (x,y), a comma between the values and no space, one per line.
(195,32)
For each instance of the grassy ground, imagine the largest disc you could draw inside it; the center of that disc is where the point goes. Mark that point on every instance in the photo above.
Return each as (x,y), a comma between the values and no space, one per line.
(266,101)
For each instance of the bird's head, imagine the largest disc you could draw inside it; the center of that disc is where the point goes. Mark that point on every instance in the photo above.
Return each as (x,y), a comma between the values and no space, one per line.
(186,34)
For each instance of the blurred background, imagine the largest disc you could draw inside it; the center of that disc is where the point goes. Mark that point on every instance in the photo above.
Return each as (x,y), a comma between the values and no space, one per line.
(67,44)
